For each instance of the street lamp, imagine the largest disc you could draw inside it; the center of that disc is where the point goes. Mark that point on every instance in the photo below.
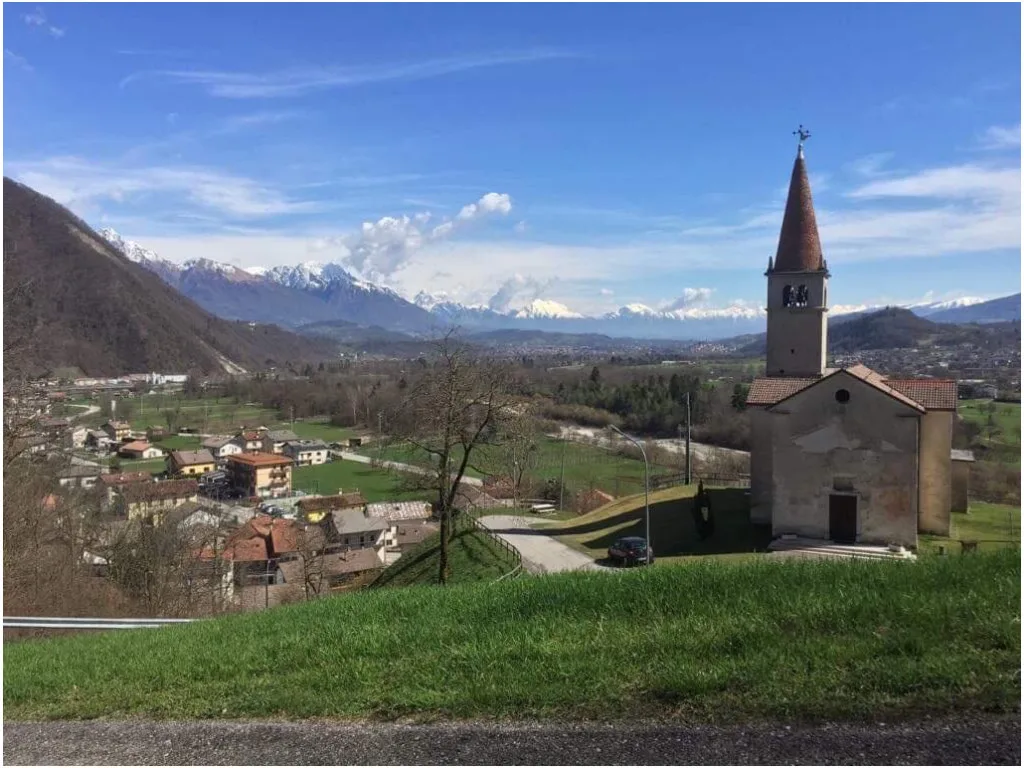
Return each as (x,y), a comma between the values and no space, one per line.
(647,491)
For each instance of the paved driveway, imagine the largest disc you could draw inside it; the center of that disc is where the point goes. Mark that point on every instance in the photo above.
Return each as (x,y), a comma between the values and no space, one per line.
(541,553)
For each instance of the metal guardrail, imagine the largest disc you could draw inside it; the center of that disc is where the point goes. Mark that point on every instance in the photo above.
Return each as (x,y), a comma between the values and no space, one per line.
(516,555)
(52,622)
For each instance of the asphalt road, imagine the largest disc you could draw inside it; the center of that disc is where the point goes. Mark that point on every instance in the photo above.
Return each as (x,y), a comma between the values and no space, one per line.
(541,553)
(964,741)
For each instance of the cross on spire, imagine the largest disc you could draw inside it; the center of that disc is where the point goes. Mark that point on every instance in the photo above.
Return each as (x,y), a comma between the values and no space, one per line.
(804,135)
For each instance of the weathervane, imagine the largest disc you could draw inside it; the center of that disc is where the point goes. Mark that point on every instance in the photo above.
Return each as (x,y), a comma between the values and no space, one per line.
(804,135)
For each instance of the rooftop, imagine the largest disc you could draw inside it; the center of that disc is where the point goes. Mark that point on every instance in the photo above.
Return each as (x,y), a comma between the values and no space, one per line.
(260,459)
(191,458)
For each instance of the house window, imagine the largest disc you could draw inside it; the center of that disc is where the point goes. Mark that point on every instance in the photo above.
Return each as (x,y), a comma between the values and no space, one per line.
(842,396)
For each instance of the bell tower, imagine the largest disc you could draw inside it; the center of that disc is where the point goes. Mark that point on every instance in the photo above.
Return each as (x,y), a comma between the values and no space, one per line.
(798,285)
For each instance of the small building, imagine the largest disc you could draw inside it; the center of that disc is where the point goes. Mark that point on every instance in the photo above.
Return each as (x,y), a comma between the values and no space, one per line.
(315,508)
(190,463)
(114,483)
(149,501)
(140,449)
(117,431)
(221,447)
(395,511)
(355,529)
(155,434)
(262,475)
(97,440)
(249,440)
(78,437)
(960,481)
(307,453)
(79,476)
(274,440)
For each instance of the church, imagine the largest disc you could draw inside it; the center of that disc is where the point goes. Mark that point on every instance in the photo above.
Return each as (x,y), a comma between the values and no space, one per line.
(845,455)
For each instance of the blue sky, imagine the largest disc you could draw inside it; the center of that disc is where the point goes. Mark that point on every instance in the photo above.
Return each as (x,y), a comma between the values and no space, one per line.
(595,155)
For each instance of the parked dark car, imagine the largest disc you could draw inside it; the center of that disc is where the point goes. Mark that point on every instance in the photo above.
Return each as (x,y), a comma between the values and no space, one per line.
(631,550)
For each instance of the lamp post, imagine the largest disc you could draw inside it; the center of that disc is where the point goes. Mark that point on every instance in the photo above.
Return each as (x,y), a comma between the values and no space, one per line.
(647,492)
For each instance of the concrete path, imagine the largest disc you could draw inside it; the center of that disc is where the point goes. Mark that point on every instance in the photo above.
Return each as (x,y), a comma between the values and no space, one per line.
(541,553)
(399,466)
(961,740)
(89,410)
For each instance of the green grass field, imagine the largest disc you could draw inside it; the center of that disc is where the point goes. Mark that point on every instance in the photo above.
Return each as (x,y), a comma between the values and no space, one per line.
(586,466)
(180,443)
(993,526)
(208,415)
(142,465)
(375,484)
(319,430)
(790,640)
(1000,429)
(673,531)
(473,557)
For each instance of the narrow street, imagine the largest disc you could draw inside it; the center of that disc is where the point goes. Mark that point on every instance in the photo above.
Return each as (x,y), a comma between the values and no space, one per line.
(541,553)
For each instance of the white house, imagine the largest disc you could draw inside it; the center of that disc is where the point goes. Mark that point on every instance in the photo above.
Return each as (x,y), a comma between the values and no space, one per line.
(78,436)
(221,447)
(307,452)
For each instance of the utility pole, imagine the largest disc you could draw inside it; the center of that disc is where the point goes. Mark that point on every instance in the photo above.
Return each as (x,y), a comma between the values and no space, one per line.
(561,482)
(647,493)
(689,476)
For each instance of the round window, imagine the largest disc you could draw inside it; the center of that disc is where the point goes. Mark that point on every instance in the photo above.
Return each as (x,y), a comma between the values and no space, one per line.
(842,396)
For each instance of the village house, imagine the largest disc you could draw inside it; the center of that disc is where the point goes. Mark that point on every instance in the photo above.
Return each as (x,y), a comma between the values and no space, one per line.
(149,501)
(221,447)
(250,440)
(353,528)
(307,452)
(79,476)
(115,483)
(845,455)
(262,475)
(117,431)
(274,440)
(190,463)
(155,434)
(55,430)
(78,437)
(97,440)
(139,449)
(316,508)
(396,511)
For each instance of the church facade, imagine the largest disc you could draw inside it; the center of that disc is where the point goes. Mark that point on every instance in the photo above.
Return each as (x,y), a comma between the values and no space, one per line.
(840,454)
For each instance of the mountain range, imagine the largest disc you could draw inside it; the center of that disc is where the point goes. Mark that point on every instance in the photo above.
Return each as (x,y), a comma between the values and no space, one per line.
(71,299)
(311,293)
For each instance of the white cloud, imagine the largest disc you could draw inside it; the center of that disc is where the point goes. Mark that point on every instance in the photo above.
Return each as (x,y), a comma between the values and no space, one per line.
(520,227)
(517,289)
(492,202)
(295,82)
(606,292)
(76,182)
(870,165)
(1001,137)
(12,59)
(953,183)
(239,123)
(37,18)
(690,297)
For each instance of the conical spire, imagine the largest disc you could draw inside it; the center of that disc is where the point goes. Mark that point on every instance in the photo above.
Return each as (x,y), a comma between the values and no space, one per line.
(799,246)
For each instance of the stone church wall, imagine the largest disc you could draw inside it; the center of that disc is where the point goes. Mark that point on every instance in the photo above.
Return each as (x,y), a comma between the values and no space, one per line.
(865,448)
(761,465)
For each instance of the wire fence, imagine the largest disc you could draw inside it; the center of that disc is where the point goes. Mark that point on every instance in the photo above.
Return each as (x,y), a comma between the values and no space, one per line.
(54,622)
(512,552)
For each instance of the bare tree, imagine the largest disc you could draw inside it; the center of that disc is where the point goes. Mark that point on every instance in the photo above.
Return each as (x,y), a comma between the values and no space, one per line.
(519,450)
(456,407)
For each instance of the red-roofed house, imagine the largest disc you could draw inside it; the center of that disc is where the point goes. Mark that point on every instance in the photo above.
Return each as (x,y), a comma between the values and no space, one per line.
(841,454)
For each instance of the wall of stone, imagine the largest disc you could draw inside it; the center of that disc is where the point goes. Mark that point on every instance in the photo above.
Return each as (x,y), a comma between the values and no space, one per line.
(936,468)
(866,448)
(797,336)
(960,486)
(761,464)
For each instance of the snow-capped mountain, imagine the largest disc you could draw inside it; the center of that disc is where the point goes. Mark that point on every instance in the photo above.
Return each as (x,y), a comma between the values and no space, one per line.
(547,309)
(311,292)
(288,296)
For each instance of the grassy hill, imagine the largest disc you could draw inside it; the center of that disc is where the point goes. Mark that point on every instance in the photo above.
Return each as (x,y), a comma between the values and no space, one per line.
(474,557)
(728,641)
(72,300)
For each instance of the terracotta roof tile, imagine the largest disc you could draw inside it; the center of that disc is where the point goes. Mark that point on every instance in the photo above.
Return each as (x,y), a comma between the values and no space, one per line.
(329,503)
(169,489)
(799,244)
(191,458)
(770,390)
(933,394)
(259,459)
(124,478)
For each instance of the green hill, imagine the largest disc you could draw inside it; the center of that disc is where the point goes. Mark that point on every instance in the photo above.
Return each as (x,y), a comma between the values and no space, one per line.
(709,640)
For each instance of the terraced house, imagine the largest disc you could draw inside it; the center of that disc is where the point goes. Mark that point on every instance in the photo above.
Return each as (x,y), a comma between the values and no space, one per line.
(190,463)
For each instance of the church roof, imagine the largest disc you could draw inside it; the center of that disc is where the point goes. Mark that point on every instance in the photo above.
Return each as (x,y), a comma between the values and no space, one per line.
(799,245)
(920,394)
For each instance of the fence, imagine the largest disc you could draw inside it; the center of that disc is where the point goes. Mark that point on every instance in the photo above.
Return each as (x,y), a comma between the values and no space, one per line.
(710,479)
(513,553)
(51,622)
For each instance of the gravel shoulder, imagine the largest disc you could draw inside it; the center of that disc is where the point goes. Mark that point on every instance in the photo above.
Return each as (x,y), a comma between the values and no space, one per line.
(969,740)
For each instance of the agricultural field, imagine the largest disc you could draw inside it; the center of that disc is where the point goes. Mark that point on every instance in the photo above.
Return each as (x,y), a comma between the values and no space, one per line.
(180,443)
(154,466)
(1000,429)
(375,484)
(319,430)
(586,466)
